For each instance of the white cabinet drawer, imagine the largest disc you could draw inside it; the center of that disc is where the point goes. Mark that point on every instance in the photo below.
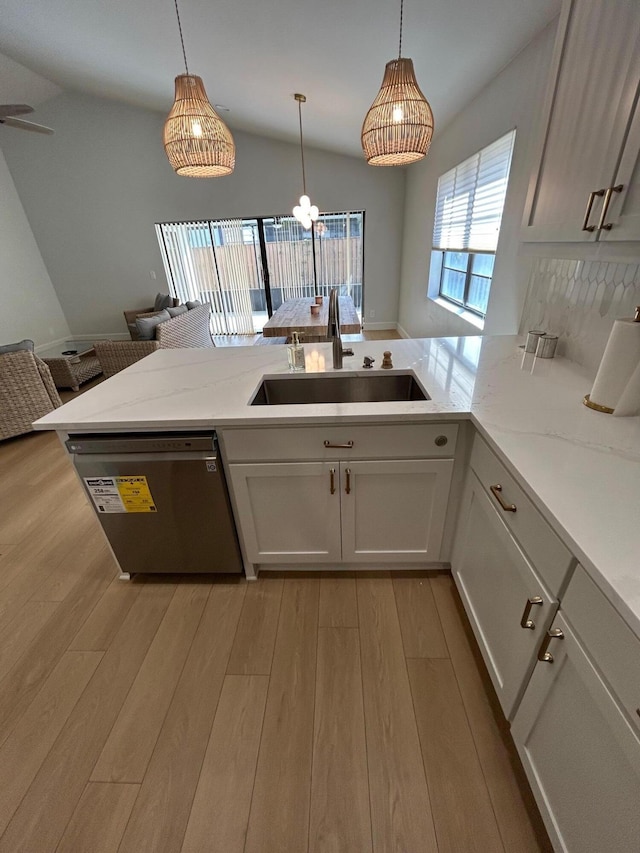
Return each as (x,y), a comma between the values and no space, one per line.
(545,550)
(507,604)
(396,441)
(612,645)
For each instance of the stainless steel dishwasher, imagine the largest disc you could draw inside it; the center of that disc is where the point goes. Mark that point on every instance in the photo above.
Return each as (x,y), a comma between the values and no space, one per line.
(162,500)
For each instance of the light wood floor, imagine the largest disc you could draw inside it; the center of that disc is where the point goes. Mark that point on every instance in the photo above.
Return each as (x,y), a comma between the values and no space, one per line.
(300,713)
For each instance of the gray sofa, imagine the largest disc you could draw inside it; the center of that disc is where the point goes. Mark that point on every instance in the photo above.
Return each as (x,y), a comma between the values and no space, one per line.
(190,329)
(162,301)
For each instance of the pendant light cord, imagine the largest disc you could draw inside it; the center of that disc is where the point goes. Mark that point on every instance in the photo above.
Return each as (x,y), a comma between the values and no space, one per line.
(400,45)
(184,53)
(304,181)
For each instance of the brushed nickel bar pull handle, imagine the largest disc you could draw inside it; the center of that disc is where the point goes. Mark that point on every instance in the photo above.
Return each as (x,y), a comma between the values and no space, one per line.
(496,491)
(346,446)
(332,481)
(605,207)
(525,622)
(347,488)
(543,655)
(592,196)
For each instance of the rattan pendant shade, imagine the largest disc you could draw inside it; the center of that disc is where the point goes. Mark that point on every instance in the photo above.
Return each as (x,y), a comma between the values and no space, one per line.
(196,140)
(398,128)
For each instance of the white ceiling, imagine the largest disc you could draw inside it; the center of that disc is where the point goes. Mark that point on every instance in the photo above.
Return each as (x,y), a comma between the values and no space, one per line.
(254,55)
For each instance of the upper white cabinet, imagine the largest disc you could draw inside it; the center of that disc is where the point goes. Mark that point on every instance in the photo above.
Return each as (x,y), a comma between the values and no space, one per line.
(586,185)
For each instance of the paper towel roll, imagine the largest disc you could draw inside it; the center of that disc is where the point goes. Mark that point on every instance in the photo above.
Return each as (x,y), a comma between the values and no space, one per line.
(629,402)
(619,362)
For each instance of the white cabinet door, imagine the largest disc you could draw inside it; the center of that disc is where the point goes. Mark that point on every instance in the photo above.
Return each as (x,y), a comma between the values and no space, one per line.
(394,510)
(581,754)
(596,70)
(288,512)
(496,583)
(624,210)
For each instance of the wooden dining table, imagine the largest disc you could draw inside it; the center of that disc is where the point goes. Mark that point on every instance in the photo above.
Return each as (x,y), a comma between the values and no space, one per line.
(294,315)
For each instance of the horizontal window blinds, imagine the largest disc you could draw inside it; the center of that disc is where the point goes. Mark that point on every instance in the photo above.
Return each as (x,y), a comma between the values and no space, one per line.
(471,198)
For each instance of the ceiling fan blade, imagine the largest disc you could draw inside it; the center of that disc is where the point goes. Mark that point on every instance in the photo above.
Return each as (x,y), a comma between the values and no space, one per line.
(14,110)
(26,125)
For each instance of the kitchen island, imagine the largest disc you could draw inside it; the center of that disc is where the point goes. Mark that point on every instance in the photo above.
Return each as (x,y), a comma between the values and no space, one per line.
(581,468)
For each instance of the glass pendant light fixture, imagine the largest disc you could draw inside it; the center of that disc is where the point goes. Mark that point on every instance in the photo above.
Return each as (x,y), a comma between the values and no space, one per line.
(196,140)
(398,128)
(305,212)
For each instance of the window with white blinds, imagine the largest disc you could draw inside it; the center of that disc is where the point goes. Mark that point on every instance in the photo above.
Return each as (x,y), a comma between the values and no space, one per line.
(471,199)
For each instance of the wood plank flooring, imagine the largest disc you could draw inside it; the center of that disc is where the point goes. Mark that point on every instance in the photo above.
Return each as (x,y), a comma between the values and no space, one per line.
(306,713)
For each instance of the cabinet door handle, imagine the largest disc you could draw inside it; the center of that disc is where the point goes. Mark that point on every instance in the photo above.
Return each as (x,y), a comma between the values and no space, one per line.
(585,224)
(496,491)
(553,634)
(347,487)
(525,622)
(605,207)
(346,446)
(332,480)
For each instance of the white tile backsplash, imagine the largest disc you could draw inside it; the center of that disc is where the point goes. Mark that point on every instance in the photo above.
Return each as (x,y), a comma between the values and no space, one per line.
(578,301)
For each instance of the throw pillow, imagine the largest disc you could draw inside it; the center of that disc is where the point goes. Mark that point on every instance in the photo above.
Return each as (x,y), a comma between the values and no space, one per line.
(26,344)
(179,309)
(195,303)
(163,300)
(146,326)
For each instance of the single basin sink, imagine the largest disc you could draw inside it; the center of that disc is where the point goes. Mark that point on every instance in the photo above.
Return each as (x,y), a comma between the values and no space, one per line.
(292,390)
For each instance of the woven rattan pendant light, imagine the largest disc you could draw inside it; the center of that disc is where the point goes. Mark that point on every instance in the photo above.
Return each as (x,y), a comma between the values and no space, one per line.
(398,128)
(196,140)
(305,212)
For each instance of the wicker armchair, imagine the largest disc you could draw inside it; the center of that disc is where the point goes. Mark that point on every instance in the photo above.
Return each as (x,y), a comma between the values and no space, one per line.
(27,392)
(114,356)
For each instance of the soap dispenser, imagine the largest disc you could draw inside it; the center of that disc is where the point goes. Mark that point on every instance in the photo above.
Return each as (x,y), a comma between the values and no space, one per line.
(295,354)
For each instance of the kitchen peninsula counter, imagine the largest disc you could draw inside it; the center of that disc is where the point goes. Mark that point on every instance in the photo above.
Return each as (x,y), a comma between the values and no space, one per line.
(581,468)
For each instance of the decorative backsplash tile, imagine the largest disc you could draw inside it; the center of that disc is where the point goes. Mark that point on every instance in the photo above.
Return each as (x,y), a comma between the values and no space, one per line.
(578,301)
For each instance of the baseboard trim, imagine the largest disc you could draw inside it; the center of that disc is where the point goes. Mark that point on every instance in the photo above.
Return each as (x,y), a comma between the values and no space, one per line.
(435,566)
(378,327)
(402,332)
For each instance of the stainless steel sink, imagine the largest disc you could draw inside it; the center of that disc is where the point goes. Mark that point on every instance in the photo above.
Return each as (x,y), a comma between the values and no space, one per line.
(290,390)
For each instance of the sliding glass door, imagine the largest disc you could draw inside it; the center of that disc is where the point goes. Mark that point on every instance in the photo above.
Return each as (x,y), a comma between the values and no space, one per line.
(246,268)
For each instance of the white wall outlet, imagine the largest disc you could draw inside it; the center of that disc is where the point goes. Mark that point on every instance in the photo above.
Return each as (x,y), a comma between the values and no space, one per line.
(372,314)
(152,274)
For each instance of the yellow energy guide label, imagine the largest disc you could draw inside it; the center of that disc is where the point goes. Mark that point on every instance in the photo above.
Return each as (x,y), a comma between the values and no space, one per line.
(120,494)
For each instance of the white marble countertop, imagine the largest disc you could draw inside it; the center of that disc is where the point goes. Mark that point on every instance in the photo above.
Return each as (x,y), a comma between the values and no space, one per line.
(582,468)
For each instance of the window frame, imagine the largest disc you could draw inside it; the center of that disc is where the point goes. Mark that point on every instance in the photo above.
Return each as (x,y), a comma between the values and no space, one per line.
(469,273)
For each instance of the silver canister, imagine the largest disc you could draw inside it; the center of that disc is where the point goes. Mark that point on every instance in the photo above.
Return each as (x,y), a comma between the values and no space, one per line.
(546,347)
(532,340)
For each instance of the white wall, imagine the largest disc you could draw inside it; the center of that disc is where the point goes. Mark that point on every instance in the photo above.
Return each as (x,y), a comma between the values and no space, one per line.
(30,307)
(512,99)
(94,190)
